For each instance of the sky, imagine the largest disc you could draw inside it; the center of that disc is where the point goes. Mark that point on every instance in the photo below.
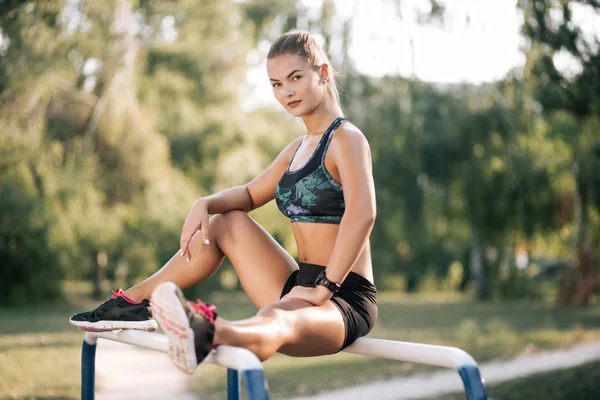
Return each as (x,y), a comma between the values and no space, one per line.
(482,50)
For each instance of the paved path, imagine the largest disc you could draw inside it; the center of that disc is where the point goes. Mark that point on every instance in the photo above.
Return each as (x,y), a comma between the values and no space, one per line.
(423,385)
(129,372)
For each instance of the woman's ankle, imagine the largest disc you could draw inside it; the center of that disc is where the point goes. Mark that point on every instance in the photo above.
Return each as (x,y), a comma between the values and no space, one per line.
(222,331)
(135,294)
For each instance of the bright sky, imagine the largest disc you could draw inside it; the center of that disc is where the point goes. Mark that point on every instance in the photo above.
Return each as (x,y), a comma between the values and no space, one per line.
(482,50)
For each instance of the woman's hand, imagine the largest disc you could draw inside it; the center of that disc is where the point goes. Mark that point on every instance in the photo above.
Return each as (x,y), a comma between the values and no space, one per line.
(197,219)
(316,296)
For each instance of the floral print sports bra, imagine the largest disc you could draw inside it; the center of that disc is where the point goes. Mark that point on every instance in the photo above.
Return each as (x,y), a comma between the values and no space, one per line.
(310,194)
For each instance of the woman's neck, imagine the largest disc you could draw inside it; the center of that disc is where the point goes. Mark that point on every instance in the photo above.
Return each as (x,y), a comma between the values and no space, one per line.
(318,120)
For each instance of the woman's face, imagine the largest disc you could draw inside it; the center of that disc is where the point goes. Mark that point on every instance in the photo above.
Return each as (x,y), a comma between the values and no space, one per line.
(295,84)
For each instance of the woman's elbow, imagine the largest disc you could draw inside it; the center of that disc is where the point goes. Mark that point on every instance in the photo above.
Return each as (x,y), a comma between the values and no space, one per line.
(371,215)
(363,215)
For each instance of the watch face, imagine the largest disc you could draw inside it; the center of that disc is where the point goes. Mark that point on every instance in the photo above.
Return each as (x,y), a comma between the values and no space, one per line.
(322,280)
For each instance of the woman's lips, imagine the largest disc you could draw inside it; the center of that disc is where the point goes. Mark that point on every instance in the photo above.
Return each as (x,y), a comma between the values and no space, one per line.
(294,103)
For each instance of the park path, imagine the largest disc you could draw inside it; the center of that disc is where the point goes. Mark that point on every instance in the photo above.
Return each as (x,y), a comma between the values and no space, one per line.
(127,372)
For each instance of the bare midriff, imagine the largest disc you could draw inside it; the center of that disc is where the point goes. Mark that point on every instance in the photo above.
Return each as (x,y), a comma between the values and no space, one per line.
(316,242)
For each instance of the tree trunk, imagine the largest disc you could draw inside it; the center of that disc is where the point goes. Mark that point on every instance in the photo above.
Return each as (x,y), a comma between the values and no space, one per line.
(584,214)
(476,259)
(582,274)
(476,262)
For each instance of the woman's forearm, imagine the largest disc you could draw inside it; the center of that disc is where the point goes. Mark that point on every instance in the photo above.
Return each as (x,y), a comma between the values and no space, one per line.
(354,232)
(235,198)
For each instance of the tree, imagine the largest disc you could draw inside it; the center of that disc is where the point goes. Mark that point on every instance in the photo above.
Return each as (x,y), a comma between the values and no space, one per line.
(573,96)
(128,111)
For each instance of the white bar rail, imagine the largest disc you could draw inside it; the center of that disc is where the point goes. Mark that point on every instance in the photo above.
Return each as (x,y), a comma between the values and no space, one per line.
(227,356)
(440,356)
(237,359)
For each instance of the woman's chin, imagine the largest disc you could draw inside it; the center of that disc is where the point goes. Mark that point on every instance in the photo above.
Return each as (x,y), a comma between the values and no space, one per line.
(300,111)
(297,112)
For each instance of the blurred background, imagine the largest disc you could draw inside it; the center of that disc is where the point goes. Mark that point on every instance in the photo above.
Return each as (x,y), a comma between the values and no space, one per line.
(482,116)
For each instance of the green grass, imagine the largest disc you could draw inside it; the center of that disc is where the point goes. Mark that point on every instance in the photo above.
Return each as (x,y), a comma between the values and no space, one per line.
(39,354)
(579,383)
(40,351)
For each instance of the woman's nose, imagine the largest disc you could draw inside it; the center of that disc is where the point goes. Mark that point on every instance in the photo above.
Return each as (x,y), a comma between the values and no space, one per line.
(288,92)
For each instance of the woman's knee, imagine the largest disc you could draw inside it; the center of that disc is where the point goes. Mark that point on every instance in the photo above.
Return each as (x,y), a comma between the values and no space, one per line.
(280,316)
(220,224)
(284,318)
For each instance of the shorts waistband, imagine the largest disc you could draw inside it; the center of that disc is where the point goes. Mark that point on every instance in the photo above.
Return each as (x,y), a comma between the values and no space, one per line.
(309,272)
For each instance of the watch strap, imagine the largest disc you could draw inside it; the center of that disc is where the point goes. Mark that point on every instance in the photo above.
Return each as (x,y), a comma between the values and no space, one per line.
(324,281)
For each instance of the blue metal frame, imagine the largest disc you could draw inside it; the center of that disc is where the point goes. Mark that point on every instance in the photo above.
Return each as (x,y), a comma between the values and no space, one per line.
(88,370)
(233,384)
(474,387)
(256,384)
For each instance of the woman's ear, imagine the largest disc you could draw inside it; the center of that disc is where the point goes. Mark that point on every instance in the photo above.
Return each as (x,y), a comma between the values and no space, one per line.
(324,71)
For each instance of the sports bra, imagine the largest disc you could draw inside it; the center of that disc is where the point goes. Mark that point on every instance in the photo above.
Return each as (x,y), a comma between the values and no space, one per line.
(310,194)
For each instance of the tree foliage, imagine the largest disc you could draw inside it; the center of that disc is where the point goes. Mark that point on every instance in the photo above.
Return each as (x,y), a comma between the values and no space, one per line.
(116,115)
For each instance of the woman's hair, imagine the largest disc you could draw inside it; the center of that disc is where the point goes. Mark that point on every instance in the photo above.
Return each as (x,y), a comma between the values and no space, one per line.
(305,46)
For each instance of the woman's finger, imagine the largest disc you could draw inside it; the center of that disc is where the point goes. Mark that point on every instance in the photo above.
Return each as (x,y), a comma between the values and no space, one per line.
(204,229)
(184,243)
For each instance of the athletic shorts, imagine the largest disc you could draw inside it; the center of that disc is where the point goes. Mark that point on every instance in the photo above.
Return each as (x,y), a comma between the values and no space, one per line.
(356,299)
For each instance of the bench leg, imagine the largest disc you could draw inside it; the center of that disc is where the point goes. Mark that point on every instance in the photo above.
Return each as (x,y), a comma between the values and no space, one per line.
(88,370)
(256,384)
(233,384)
(474,386)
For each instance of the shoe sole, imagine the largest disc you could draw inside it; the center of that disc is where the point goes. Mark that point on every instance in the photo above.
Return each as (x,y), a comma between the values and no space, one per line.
(172,318)
(107,326)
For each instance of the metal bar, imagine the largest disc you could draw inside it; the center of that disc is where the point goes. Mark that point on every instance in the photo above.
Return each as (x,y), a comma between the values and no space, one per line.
(256,384)
(233,384)
(474,386)
(88,370)
(237,359)
(441,356)
(226,356)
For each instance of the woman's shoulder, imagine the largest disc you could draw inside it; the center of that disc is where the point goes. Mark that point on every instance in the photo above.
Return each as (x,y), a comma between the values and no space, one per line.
(349,134)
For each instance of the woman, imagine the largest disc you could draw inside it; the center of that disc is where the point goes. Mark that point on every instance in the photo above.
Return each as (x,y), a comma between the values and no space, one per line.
(323,182)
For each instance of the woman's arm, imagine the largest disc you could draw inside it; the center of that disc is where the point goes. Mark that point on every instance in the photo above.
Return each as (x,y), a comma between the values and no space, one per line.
(352,156)
(235,198)
(255,193)
(247,197)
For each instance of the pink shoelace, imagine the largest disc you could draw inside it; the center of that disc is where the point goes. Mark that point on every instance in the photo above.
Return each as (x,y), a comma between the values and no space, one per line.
(208,310)
(121,293)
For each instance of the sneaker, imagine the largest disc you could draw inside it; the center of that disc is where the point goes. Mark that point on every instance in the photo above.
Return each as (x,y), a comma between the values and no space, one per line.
(118,312)
(189,326)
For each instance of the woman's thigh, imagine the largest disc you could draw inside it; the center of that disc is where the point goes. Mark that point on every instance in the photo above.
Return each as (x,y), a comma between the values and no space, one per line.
(311,330)
(261,264)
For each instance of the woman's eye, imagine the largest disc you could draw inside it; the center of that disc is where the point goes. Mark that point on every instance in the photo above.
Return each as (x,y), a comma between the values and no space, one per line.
(295,78)
(276,85)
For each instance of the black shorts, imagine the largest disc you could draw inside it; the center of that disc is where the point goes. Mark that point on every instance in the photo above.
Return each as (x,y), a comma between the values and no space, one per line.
(356,299)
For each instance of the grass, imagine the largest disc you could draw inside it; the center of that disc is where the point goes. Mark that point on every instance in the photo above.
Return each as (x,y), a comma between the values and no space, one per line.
(579,383)
(40,351)
(39,354)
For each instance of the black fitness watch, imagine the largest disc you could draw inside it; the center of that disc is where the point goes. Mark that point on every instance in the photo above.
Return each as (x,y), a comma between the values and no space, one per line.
(322,280)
